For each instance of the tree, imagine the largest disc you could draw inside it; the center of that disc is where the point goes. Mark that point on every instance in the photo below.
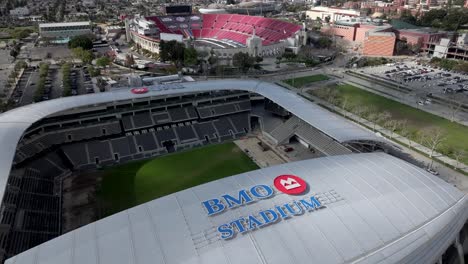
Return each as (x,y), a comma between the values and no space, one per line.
(171,51)
(129,60)
(103,61)
(190,56)
(373,117)
(461,66)
(407,17)
(93,72)
(405,131)
(66,80)
(361,110)
(430,16)
(432,138)
(344,104)
(459,154)
(84,42)
(14,53)
(393,125)
(20,65)
(455,107)
(323,42)
(243,61)
(85,56)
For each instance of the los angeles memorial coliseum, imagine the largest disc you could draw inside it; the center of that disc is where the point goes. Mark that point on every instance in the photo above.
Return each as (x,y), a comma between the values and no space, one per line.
(223,34)
(348,202)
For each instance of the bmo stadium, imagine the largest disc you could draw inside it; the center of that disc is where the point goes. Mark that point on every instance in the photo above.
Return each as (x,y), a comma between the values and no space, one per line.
(158,175)
(224,34)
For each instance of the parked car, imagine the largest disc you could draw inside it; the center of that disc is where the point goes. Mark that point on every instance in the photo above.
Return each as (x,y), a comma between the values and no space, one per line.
(288,149)
(432,171)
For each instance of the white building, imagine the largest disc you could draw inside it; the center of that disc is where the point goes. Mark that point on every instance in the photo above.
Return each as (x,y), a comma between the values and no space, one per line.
(19,11)
(333,13)
(64,30)
(88,3)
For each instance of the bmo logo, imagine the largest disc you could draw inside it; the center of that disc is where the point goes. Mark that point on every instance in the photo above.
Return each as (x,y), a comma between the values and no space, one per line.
(290,184)
(139,90)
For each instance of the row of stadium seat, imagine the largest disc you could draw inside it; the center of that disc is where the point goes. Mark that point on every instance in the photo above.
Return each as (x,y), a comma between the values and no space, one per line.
(151,142)
(43,140)
(270,30)
(234,27)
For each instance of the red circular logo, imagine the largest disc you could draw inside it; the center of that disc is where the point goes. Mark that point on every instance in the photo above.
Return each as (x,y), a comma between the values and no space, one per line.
(290,184)
(140,90)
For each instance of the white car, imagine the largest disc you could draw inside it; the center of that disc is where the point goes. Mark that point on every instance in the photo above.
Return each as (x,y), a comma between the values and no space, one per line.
(428,101)
(432,171)
(420,103)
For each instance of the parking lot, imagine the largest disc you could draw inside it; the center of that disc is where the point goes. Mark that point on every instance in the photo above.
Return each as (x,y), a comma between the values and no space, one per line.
(25,90)
(423,80)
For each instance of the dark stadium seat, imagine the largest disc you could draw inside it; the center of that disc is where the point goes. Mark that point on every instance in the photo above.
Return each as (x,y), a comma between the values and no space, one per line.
(146,141)
(234,27)
(185,134)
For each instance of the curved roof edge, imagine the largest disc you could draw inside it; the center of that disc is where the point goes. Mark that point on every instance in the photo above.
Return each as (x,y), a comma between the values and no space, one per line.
(385,211)
(15,122)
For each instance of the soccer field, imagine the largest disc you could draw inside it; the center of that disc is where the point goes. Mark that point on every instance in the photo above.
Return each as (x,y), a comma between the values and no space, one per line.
(301,81)
(127,185)
(418,120)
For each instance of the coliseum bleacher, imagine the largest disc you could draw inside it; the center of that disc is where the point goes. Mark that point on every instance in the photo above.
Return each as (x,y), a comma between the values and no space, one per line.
(232,27)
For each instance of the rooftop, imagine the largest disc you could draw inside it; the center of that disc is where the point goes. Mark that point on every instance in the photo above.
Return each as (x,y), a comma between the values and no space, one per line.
(65,24)
(373,208)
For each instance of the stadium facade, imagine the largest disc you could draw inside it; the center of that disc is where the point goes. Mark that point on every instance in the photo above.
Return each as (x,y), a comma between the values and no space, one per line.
(225,34)
(337,208)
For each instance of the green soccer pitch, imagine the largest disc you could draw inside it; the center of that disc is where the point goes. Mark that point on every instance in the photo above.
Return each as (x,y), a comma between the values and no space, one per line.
(137,182)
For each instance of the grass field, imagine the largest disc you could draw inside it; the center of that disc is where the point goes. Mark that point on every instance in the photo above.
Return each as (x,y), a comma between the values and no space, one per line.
(417,120)
(301,81)
(137,182)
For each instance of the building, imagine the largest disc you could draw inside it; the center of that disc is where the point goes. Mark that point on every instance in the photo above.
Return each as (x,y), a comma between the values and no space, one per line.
(64,31)
(375,34)
(424,37)
(224,34)
(452,50)
(379,43)
(19,11)
(333,13)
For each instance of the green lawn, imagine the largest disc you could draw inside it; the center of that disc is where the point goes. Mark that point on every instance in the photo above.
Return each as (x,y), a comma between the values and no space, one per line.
(301,81)
(127,185)
(457,135)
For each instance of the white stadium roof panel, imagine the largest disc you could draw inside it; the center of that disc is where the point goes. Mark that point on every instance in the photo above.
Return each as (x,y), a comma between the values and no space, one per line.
(375,209)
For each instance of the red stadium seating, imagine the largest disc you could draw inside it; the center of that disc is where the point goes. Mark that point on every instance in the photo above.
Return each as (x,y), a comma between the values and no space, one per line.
(237,28)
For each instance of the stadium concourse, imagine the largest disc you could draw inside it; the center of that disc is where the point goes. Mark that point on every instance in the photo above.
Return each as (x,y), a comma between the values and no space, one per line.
(347,204)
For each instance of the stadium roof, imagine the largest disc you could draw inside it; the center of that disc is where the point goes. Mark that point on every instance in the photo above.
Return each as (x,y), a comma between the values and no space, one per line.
(65,24)
(375,209)
(14,122)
